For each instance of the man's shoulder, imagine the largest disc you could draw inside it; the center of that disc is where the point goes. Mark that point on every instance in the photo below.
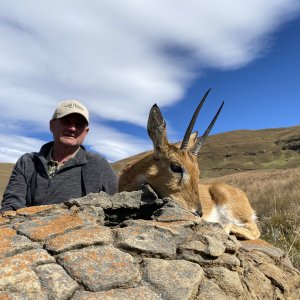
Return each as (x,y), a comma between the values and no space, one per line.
(27,157)
(97,163)
(95,157)
(26,163)
(32,156)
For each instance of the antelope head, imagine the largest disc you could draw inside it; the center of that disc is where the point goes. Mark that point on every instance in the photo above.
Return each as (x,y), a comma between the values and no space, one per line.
(171,169)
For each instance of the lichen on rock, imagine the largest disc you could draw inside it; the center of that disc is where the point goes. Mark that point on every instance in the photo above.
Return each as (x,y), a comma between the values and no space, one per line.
(134,245)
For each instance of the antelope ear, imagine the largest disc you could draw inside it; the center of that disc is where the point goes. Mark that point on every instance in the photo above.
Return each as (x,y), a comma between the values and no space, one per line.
(192,140)
(191,143)
(156,128)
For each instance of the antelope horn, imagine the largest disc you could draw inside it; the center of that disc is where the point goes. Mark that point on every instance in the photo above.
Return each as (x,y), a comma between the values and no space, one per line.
(206,133)
(189,130)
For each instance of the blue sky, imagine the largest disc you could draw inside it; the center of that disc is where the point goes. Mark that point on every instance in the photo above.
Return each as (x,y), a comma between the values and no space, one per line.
(119,58)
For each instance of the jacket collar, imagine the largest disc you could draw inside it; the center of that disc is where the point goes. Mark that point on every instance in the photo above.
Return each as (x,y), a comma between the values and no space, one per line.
(79,159)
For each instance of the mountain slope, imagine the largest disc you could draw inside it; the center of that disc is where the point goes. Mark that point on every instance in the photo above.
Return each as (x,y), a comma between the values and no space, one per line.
(245,150)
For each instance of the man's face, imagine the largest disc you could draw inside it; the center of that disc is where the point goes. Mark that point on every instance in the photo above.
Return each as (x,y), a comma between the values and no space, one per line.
(69,130)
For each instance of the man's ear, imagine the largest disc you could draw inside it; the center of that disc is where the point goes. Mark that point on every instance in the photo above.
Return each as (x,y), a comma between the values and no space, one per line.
(51,124)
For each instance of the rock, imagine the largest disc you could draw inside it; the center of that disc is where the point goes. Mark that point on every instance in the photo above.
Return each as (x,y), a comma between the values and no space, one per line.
(228,281)
(173,279)
(134,246)
(210,290)
(42,228)
(56,282)
(18,276)
(214,247)
(147,241)
(80,238)
(138,293)
(100,268)
(11,243)
(170,213)
(101,199)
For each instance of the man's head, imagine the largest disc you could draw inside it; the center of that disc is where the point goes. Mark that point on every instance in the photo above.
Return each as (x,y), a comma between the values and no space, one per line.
(69,123)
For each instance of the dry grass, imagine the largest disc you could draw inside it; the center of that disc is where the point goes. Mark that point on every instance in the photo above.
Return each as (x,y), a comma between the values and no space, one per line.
(5,171)
(275,195)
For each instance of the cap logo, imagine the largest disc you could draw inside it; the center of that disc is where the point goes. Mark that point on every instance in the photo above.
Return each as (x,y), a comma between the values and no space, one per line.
(73,105)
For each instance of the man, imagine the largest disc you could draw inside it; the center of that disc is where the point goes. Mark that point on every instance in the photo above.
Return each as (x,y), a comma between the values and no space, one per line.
(63,169)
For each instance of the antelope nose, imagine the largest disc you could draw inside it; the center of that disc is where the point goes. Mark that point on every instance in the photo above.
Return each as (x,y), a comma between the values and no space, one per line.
(198,213)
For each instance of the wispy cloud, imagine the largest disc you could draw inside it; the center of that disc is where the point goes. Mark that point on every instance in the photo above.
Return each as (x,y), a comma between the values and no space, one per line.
(13,146)
(113,144)
(118,57)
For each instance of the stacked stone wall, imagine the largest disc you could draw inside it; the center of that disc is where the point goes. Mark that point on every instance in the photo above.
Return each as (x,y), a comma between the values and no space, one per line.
(134,246)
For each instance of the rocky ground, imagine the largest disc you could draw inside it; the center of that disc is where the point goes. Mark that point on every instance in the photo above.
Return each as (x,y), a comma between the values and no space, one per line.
(133,246)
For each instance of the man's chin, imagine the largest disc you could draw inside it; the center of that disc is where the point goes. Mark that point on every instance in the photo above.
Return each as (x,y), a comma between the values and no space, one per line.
(69,141)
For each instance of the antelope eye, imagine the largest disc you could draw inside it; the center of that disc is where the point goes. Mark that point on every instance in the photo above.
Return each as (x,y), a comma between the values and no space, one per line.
(176,168)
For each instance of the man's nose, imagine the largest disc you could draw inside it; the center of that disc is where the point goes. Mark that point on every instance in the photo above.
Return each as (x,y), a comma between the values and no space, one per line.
(72,126)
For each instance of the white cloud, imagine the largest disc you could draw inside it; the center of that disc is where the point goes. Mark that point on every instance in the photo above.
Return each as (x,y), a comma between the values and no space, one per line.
(13,146)
(113,144)
(119,57)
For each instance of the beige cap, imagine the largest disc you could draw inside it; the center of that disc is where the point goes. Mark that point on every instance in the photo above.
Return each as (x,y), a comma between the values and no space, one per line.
(68,107)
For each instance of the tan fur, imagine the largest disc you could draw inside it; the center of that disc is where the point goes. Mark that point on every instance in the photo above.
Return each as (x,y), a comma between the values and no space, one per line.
(157,173)
(218,202)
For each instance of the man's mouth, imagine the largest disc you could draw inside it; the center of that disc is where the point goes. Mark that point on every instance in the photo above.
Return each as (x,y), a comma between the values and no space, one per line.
(70,135)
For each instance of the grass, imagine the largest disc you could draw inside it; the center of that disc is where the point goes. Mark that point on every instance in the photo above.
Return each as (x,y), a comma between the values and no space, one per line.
(5,171)
(275,195)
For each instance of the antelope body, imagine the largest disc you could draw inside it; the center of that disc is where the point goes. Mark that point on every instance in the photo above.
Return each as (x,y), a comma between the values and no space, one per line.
(172,171)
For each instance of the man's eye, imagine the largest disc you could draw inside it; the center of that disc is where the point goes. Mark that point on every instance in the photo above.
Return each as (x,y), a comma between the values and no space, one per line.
(176,168)
(80,125)
(64,121)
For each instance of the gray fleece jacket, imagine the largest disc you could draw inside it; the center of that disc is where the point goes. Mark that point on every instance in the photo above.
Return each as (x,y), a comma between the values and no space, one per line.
(30,184)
